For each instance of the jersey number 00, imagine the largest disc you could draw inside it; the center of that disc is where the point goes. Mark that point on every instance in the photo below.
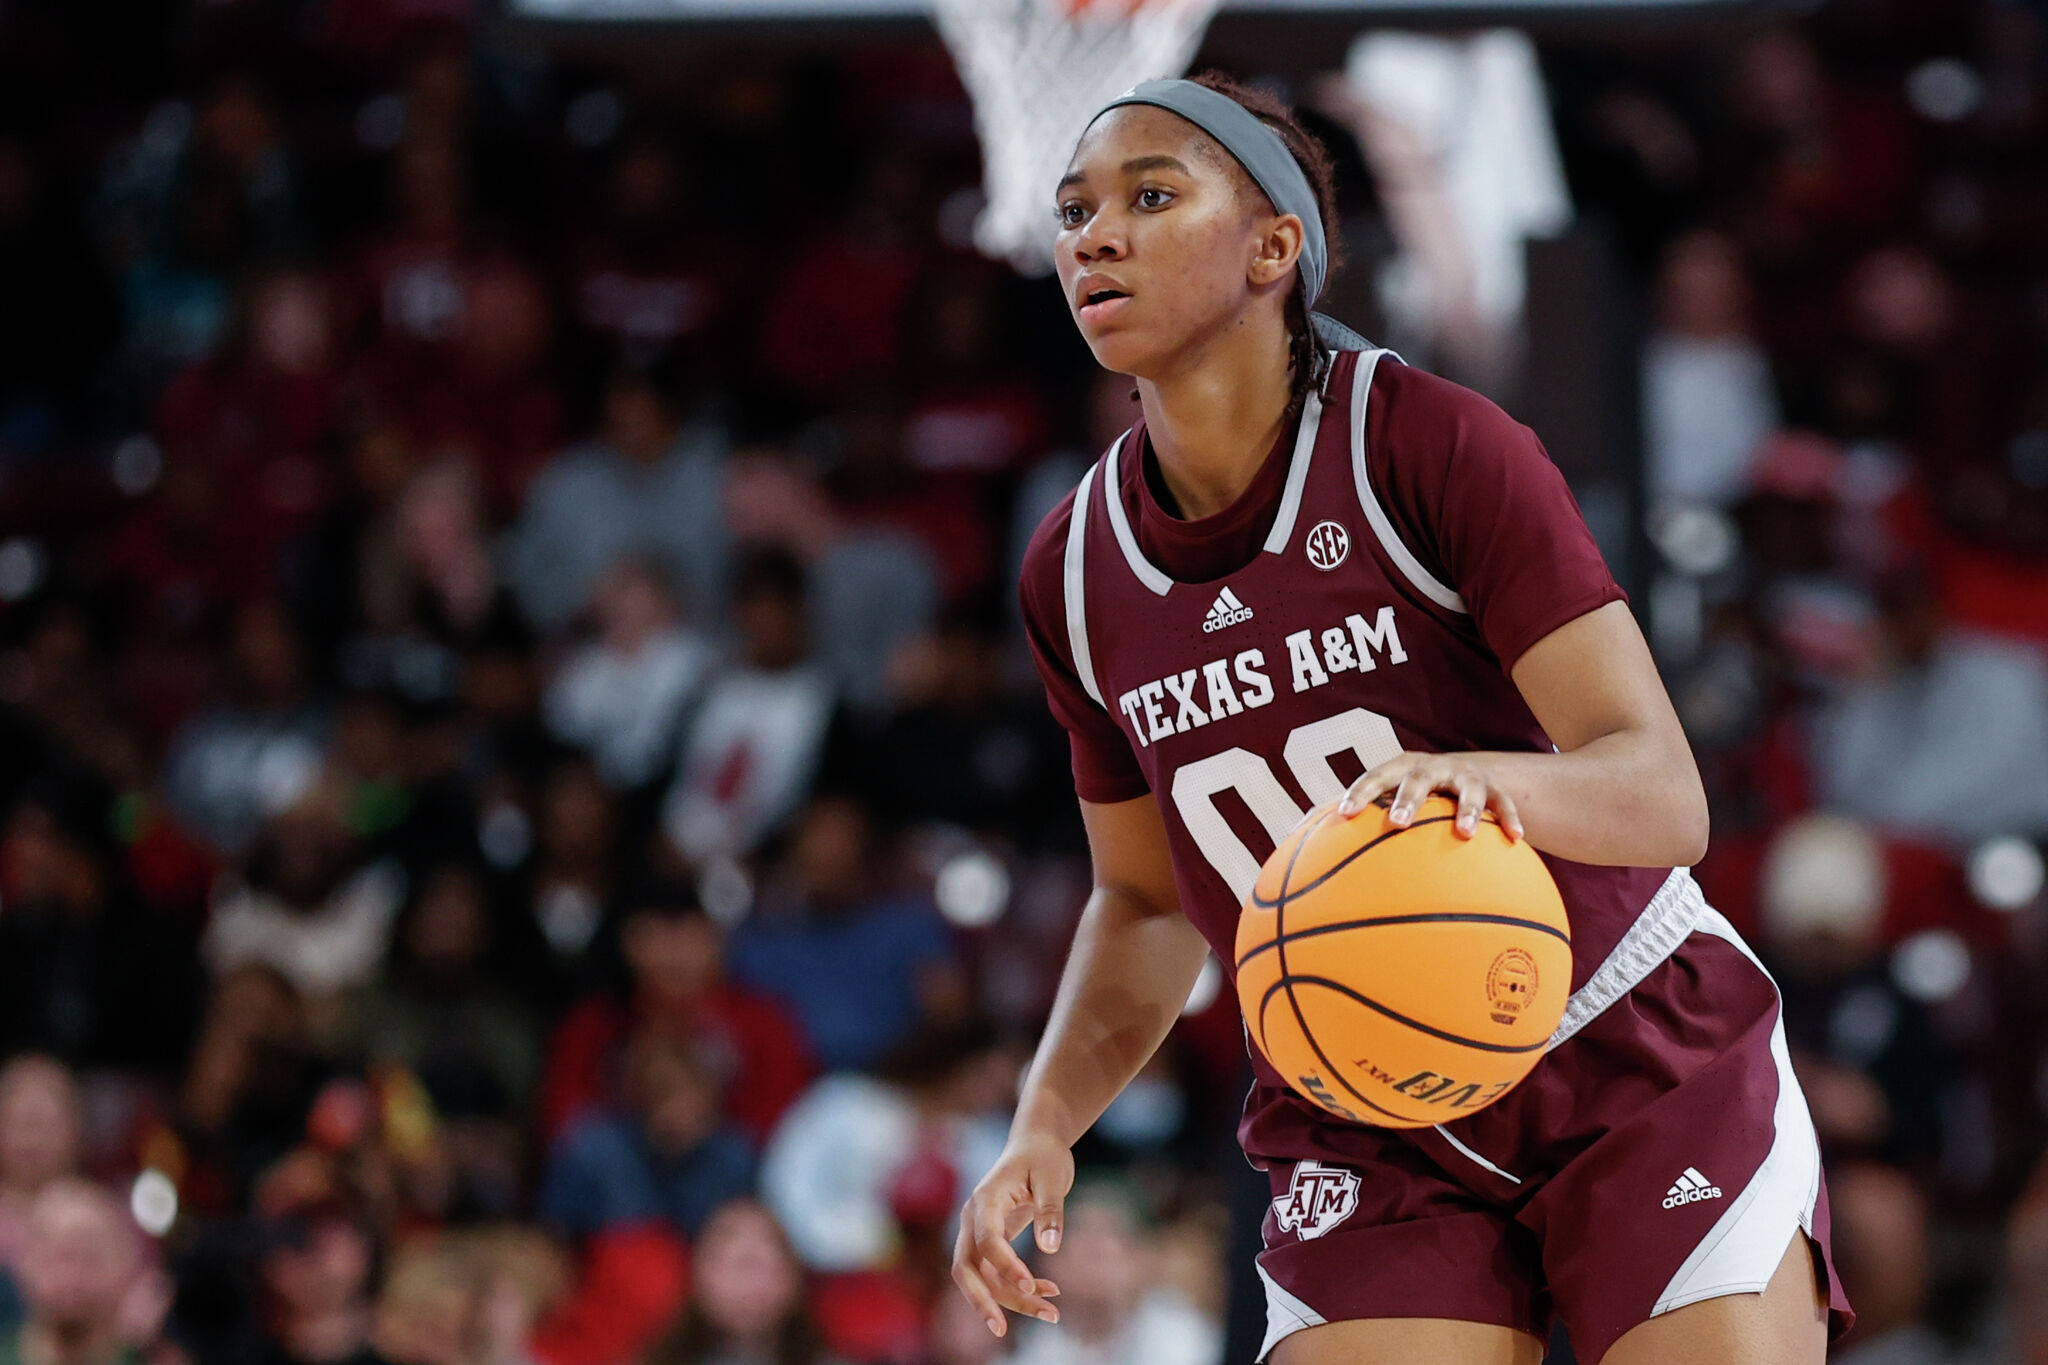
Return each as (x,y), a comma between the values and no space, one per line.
(1308,752)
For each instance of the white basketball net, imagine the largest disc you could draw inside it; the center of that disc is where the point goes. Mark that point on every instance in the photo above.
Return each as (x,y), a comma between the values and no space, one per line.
(1037,70)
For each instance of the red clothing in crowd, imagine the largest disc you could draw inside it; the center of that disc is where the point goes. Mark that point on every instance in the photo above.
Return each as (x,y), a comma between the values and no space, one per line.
(753,1043)
(630,1287)
(259,438)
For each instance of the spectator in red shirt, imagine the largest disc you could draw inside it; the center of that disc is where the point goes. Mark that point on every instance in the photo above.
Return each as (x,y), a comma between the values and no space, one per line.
(665,1155)
(486,397)
(834,322)
(971,413)
(676,987)
(408,281)
(641,283)
(748,1302)
(1811,156)
(259,417)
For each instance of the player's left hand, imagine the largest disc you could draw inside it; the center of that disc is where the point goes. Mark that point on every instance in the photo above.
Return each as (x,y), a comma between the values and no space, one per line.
(1411,777)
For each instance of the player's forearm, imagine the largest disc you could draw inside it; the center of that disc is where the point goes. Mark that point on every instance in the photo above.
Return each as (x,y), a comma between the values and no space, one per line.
(1622,800)
(1125,982)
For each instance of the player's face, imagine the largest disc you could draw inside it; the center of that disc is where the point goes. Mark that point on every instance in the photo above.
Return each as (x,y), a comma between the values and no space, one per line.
(1156,240)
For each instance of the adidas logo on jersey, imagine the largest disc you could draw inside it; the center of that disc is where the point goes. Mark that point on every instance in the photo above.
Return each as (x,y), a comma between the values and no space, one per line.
(1226,610)
(1691,1188)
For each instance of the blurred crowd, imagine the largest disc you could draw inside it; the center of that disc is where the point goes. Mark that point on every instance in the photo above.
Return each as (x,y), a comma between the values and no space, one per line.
(527,836)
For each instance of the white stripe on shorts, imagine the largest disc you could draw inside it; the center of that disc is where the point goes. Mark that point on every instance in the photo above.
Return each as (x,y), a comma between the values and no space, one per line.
(1665,922)
(1285,1315)
(1742,1250)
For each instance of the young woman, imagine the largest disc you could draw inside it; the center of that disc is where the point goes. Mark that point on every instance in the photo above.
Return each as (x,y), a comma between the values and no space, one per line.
(747,1305)
(1312,573)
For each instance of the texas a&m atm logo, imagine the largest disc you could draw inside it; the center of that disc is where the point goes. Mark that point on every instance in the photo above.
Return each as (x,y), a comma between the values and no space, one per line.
(1317,1199)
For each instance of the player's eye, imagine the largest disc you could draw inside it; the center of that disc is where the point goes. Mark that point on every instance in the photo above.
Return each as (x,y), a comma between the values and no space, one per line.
(1153,197)
(1070,214)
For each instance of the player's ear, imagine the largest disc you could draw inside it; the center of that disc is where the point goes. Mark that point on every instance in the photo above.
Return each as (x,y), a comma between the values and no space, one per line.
(1277,249)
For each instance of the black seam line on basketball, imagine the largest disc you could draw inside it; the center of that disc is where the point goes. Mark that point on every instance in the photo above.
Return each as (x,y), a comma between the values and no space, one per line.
(1342,862)
(1445,917)
(1300,1020)
(1308,1037)
(1279,928)
(1416,1024)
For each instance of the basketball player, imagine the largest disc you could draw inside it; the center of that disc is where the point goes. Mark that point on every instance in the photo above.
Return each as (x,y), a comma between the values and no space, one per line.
(1312,572)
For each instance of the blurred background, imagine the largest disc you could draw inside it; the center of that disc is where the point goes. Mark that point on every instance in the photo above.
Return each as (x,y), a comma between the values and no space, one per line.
(527,832)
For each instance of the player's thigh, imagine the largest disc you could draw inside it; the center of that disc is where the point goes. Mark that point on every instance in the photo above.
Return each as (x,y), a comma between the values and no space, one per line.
(1786,1324)
(1408,1341)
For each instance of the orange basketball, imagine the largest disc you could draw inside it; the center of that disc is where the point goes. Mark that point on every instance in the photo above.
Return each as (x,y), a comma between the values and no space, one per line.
(1402,977)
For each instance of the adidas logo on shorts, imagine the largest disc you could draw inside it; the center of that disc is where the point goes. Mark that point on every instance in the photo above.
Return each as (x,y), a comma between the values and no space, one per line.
(1226,610)
(1691,1188)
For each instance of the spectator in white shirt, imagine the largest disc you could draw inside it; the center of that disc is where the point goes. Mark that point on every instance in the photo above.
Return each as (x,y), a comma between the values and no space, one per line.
(621,695)
(755,743)
(1707,394)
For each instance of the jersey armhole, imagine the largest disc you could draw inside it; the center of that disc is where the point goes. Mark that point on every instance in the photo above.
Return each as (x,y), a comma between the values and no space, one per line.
(1420,575)
(1076,587)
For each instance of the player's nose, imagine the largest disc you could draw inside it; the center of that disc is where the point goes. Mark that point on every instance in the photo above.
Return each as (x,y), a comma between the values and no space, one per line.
(1101,238)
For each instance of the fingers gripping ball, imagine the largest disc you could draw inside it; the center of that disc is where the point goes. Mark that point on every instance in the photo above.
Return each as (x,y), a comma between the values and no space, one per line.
(1402,976)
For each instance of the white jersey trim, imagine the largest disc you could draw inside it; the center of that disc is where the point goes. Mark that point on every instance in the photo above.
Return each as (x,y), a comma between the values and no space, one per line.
(1297,474)
(1743,1249)
(1120,521)
(1077,591)
(1676,909)
(1155,578)
(1425,582)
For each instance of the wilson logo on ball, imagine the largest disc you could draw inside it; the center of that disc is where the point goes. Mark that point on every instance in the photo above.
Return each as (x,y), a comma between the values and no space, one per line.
(1510,985)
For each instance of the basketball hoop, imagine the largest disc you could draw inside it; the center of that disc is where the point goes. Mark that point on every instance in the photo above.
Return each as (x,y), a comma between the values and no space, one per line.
(1037,69)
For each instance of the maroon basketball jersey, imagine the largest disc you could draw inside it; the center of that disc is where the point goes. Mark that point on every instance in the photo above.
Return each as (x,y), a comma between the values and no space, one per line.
(1241,701)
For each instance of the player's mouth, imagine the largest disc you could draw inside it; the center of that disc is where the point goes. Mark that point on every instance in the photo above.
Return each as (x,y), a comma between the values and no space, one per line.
(1099,300)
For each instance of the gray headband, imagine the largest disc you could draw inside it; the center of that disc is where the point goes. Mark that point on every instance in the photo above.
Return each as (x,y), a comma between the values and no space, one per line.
(1258,149)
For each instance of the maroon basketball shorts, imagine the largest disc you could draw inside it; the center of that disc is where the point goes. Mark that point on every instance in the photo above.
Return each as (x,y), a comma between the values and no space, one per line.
(1660,1156)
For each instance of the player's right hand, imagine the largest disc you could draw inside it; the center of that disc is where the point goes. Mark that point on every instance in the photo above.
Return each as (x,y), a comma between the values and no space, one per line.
(1028,1185)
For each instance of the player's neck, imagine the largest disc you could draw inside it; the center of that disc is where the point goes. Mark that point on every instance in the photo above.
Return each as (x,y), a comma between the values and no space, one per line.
(1213,421)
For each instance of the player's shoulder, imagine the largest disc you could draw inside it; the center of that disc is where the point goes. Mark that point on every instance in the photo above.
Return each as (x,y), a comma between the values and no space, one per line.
(1410,403)
(1041,577)
(1045,554)
(1047,548)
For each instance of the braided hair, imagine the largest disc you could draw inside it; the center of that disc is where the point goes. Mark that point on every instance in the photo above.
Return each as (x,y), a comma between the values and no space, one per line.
(1308,362)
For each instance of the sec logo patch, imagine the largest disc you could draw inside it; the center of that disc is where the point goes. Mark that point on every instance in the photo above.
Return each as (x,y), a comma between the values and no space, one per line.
(1328,544)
